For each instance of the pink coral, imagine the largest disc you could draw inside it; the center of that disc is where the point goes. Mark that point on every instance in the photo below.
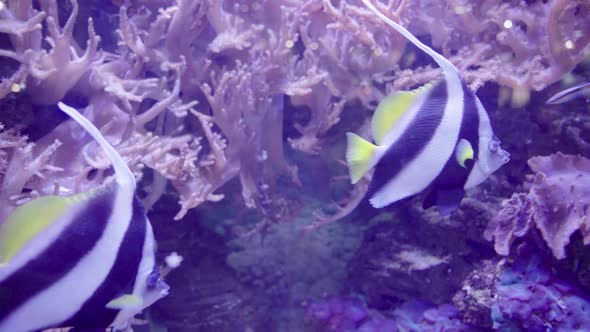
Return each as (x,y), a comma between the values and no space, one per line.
(52,72)
(557,205)
(196,90)
(529,53)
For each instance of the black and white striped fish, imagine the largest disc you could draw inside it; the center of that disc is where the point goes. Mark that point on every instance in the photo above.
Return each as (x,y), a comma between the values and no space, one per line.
(437,138)
(85,261)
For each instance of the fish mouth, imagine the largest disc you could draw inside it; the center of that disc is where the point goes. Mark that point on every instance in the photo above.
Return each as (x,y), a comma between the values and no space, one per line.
(163,287)
(505,156)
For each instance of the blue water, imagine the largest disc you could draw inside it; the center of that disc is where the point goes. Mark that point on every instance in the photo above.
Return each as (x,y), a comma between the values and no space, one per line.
(257,98)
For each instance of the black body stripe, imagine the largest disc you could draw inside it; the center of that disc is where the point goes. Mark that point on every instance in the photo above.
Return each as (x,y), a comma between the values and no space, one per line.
(75,241)
(120,279)
(413,140)
(453,175)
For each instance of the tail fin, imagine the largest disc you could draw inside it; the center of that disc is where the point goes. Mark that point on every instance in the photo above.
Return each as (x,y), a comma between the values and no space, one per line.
(123,173)
(445,64)
(359,156)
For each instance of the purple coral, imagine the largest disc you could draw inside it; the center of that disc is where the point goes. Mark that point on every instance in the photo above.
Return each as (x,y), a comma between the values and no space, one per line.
(339,314)
(195,90)
(52,72)
(531,298)
(348,314)
(419,316)
(556,205)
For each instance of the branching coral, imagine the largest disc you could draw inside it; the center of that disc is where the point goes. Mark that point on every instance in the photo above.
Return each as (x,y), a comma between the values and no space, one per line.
(198,94)
(556,205)
(129,100)
(53,72)
(9,139)
(21,163)
(197,90)
(516,44)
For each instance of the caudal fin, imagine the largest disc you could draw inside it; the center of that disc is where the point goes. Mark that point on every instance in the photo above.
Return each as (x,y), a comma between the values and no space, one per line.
(123,173)
(359,156)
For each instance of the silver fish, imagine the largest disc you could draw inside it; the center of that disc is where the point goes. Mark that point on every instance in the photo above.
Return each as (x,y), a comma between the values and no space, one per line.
(580,90)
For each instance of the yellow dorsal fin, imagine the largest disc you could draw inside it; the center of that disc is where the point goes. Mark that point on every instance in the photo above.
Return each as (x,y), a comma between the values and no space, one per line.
(28,220)
(463,152)
(32,218)
(390,109)
(359,156)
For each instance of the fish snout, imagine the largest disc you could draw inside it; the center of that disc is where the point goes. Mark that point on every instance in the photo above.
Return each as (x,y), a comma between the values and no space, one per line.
(163,287)
(505,155)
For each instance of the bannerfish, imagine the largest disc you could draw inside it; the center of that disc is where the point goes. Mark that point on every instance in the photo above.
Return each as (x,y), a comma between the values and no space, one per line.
(437,138)
(580,90)
(85,261)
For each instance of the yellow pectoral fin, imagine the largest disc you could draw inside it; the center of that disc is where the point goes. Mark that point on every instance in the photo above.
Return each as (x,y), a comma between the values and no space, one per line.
(127,301)
(359,154)
(28,220)
(463,152)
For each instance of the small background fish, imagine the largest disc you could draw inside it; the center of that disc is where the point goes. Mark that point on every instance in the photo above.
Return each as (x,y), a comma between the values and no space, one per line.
(581,90)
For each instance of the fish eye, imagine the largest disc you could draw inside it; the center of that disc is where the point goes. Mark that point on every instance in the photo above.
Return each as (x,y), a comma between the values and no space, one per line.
(494,145)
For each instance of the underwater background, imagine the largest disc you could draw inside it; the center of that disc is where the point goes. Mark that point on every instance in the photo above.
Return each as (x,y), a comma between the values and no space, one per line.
(233,117)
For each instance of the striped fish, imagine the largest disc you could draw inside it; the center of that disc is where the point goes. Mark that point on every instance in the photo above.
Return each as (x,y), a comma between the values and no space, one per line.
(577,91)
(84,261)
(437,138)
